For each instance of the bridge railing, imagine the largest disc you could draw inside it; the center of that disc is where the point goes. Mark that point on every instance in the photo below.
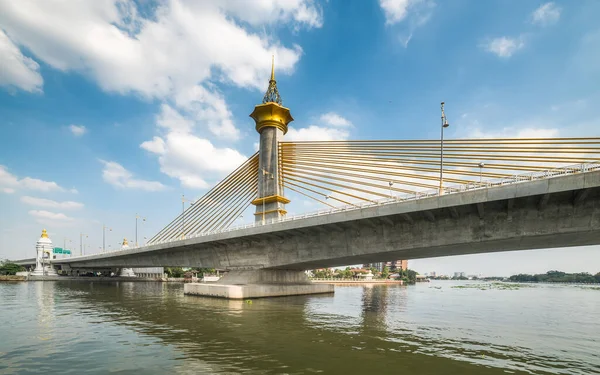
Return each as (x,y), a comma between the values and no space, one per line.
(515,179)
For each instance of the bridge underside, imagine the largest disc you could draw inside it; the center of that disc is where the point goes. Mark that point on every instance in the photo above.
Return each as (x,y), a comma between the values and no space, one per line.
(557,212)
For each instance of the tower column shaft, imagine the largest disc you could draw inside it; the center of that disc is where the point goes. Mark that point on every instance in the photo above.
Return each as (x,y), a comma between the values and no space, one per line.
(269,179)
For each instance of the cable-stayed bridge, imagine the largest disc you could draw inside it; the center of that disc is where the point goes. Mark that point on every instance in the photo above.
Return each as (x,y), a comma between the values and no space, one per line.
(382,199)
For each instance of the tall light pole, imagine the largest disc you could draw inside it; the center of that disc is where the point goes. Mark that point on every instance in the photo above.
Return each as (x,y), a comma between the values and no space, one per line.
(444,125)
(136,230)
(65,239)
(104,228)
(481,165)
(391,183)
(183,200)
(81,248)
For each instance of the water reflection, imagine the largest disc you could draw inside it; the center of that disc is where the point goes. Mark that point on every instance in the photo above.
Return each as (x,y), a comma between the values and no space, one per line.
(358,329)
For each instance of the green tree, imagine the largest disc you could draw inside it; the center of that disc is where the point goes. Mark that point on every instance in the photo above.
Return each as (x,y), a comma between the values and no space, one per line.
(385,273)
(174,271)
(10,268)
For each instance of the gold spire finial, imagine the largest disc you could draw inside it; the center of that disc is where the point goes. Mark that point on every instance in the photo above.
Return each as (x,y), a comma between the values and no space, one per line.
(272,68)
(44,233)
(272,94)
(125,243)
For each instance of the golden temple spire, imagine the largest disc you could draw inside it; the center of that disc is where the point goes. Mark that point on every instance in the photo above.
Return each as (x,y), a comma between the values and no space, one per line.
(272,94)
(44,233)
(272,68)
(125,243)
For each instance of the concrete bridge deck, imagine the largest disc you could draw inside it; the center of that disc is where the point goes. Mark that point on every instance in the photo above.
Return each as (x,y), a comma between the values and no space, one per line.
(560,211)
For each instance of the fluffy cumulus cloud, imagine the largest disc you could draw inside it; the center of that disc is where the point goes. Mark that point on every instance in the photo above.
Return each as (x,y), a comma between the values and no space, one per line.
(195,161)
(503,47)
(42,202)
(115,174)
(9,183)
(162,53)
(17,70)
(78,130)
(332,127)
(546,14)
(175,51)
(414,13)
(53,218)
(334,119)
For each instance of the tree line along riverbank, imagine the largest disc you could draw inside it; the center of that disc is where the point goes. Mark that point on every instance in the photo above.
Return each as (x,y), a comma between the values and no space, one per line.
(557,277)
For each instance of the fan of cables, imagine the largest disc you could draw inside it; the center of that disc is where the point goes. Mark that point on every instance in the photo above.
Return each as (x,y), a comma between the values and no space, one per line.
(218,208)
(352,172)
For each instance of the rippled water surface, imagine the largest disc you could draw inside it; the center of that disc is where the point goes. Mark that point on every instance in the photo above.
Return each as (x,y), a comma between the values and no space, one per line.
(74,327)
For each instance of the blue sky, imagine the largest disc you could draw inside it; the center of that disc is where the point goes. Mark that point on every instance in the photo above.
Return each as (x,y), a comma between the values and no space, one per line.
(114,107)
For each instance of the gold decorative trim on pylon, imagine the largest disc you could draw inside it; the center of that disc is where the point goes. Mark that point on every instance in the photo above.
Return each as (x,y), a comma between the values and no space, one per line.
(270,199)
(271,115)
(280,210)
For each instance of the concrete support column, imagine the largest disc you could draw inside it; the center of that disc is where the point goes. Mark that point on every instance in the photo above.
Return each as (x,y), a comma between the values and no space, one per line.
(243,284)
(270,204)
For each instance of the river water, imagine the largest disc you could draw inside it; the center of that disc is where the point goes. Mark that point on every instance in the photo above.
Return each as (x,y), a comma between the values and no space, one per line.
(443,327)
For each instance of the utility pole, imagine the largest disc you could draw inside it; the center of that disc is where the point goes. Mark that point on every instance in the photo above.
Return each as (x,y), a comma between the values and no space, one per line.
(104,227)
(444,125)
(81,248)
(136,227)
(183,200)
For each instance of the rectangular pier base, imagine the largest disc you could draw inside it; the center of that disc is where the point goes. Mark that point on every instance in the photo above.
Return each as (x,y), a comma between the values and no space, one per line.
(243,284)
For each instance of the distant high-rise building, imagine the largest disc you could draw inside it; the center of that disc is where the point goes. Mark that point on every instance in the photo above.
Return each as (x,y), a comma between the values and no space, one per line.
(433,274)
(378,266)
(459,274)
(393,265)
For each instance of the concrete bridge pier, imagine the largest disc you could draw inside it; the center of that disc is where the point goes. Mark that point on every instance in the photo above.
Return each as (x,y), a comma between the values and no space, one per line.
(243,284)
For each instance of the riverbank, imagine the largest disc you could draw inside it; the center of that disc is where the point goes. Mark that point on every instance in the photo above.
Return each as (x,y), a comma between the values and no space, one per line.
(13,278)
(353,281)
(95,278)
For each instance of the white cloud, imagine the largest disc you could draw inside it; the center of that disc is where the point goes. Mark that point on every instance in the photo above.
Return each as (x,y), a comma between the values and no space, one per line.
(413,13)
(116,175)
(41,202)
(503,47)
(10,183)
(163,53)
(334,119)
(395,10)
(191,159)
(206,109)
(17,70)
(77,130)
(47,217)
(261,12)
(546,14)
(316,133)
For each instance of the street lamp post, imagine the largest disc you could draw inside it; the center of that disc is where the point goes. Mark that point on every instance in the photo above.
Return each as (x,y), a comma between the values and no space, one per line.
(183,200)
(65,239)
(444,125)
(136,227)
(481,165)
(391,184)
(81,247)
(104,227)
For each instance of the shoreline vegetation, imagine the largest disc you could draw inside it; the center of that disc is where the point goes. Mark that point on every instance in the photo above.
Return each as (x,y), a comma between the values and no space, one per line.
(557,277)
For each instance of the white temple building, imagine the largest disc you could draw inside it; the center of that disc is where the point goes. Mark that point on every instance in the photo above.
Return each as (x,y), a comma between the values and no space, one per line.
(43,249)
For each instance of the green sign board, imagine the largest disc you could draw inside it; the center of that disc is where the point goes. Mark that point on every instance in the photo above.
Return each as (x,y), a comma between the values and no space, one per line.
(60,250)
